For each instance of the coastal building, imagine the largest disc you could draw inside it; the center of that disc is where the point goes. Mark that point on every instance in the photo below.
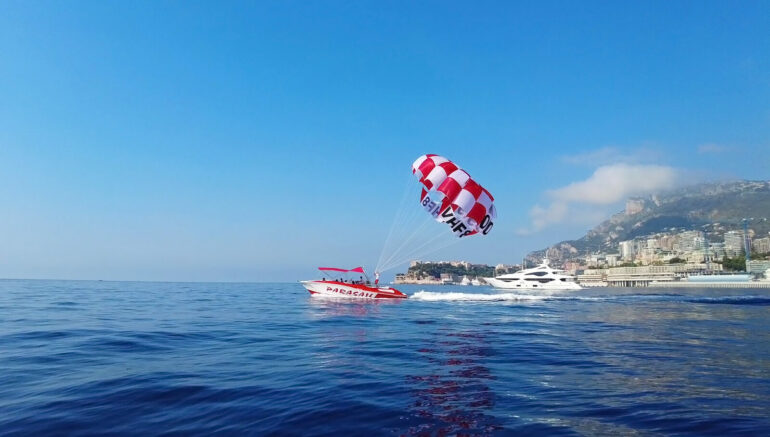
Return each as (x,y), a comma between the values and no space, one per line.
(643,276)
(448,278)
(671,246)
(696,256)
(716,251)
(689,241)
(506,268)
(595,260)
(593,278)
(666,242)
(627,250)
(757,266)
(761,245)
(464,264)
(733,243)
(637,276)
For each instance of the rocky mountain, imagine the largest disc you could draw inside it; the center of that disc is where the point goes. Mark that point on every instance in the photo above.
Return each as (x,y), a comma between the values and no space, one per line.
(710,207)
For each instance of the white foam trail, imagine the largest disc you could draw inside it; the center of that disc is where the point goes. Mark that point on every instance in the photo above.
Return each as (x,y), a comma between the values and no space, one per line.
(430,296)
(475,297)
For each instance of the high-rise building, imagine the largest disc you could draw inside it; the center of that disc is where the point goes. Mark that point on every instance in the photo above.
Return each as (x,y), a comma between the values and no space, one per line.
(666,242)
(689,241)
(733,243)
(627,250)
(761,245)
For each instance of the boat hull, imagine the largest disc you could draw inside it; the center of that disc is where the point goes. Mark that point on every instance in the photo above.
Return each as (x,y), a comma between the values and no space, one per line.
(352,291)
(517,285)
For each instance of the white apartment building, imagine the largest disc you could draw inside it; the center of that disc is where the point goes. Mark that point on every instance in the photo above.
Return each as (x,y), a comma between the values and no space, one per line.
(761,245)
(757,267)
(689,241)
(733,243)
(716,250)
(627,250)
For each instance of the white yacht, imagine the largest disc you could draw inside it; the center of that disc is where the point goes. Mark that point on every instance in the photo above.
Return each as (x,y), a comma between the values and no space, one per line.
(477,282)
(465,281)
(542,277)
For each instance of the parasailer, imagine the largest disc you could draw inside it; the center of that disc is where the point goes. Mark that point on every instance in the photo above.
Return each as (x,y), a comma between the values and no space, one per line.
(450,196)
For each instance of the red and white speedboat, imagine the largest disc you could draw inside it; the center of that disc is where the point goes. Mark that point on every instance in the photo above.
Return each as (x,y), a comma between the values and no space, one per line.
(342,287)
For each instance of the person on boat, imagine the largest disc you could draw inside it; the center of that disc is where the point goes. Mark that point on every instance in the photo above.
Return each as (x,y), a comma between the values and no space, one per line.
(376,278)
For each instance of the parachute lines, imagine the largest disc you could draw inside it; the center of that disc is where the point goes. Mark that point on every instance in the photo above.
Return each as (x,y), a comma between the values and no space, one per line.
(446,194)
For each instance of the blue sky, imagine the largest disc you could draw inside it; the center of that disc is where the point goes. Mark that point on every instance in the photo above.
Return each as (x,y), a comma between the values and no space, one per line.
(252,141)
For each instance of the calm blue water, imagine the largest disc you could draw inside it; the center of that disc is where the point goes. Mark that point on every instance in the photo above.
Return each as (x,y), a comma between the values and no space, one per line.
(198,358)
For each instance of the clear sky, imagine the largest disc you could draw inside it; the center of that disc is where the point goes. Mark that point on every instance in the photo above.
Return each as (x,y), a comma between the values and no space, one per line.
(253,141)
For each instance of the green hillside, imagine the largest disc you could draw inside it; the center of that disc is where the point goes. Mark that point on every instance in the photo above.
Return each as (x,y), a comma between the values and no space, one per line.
(436,269)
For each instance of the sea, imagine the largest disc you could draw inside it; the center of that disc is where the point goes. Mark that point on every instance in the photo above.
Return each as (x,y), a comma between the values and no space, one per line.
(160,358)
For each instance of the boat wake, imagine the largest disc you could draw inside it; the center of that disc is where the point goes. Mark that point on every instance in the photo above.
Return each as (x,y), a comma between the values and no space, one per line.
(430,296)
(732,300)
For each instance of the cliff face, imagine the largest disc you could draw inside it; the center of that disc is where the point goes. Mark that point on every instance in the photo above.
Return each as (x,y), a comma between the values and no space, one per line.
(689,208)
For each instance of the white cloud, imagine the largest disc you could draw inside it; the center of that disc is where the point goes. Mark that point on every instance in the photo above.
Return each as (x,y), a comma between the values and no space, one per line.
(542,217)
(612,183)
(607,185)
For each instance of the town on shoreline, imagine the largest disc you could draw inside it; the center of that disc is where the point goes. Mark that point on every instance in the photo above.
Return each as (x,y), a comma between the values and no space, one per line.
(662,258)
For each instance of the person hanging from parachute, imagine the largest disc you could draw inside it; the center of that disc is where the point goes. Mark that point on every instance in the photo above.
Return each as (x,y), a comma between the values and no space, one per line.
(450,196)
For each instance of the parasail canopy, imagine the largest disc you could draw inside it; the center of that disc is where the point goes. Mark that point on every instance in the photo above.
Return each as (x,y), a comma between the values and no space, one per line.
(334,269)
(453,197)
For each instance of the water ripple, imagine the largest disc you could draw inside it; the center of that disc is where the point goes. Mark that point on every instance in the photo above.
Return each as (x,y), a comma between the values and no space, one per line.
(127,358)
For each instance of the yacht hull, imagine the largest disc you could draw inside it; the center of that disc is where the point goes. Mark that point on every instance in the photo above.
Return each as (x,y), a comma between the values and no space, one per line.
(517,285)
(541,277)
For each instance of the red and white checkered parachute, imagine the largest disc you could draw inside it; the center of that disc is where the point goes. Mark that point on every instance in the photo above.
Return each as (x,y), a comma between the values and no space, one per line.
(451,196)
